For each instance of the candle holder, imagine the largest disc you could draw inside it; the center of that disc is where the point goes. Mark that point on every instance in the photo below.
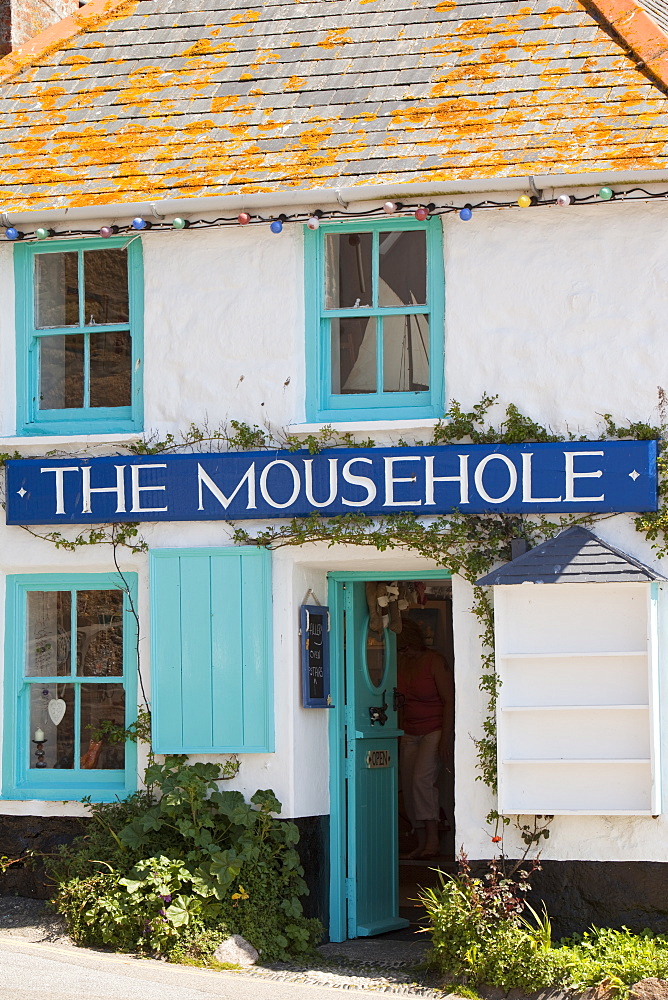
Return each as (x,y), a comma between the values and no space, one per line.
(39,752)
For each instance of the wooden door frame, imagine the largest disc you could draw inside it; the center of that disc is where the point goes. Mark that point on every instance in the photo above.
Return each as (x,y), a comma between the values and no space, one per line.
(338,840)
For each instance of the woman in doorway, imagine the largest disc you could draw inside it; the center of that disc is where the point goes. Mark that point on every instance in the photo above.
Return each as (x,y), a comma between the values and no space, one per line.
(426,689)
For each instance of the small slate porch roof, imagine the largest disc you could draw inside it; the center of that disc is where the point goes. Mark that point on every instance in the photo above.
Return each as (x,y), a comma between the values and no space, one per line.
(575,555)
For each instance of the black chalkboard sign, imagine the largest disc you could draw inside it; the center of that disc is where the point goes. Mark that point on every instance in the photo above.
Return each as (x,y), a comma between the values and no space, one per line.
(314,630)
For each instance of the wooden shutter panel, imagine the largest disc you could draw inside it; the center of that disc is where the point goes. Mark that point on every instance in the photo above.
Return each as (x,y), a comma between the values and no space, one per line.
(211,650)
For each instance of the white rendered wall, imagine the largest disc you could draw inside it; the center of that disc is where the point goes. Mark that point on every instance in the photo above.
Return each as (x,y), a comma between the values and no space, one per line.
(561,311)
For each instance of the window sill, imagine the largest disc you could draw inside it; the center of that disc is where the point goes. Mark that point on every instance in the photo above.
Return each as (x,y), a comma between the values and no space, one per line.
(417,425)
(39,441)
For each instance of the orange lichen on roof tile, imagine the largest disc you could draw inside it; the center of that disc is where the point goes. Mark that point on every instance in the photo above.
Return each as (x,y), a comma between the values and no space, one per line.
(335,37)
(244,17)
(295,83)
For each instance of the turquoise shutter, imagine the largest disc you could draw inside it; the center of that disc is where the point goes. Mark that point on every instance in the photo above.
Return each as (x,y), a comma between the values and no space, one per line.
(211,672)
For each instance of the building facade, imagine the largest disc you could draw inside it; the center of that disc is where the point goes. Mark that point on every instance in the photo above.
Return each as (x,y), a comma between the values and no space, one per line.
(350,280)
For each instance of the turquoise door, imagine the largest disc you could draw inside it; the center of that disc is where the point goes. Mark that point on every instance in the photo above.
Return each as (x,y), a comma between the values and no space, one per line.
(372,758)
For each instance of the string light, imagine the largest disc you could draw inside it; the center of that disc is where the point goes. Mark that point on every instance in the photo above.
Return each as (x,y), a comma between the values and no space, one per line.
(418,211)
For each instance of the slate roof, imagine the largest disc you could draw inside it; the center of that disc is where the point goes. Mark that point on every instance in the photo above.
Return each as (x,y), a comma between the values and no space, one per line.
(576,555)
(158,99)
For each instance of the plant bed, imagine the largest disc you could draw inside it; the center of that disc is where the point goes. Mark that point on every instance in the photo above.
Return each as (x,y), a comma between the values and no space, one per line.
(484,935)
(173,870)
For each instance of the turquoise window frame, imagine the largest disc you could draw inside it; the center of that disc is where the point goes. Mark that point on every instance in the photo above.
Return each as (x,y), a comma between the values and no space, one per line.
(20,781)
(321,403)
(30,420)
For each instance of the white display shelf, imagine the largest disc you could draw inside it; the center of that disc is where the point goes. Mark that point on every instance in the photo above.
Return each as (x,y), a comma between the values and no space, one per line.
(572,656)
(575,708)
(578,760)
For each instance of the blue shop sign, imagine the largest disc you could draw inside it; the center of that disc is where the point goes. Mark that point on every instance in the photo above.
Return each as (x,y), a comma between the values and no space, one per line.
(555,478)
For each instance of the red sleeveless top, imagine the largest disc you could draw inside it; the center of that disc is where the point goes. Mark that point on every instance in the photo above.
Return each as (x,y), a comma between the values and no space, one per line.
(423,708)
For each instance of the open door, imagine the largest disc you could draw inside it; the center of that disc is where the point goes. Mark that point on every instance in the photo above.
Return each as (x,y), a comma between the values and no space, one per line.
(371,768)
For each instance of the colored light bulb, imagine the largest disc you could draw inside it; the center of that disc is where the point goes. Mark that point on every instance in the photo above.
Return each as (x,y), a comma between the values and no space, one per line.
(524,201)
(564,200)
(43,234)
(179,223)
(421,214)
(107,231)
(390,207)
(276,226)
(140,223)
(313,222)
(606,193)
(243,218)
(13,234)
(466,213)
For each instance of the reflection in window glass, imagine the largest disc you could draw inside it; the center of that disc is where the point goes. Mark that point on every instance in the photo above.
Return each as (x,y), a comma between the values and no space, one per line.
(353,355)
(100,633)
(402,267)
(61,371)
(348,270)
(56,290)
(101,703)
(48,633)
(110,368)
(106,286)
(375,657)
(58,740)
(406,353)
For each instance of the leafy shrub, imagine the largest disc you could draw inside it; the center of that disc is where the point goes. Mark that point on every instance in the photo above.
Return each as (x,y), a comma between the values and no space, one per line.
(480,936)
(175,869)
(478,933)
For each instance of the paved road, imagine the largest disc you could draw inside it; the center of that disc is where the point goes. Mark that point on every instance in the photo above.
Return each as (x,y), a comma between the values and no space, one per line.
(54,972)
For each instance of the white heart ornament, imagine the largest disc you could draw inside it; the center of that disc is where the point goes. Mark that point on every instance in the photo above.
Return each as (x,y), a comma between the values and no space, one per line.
(56,709)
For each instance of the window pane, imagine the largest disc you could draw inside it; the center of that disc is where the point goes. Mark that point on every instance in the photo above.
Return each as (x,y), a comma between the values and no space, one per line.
(402,269)
(106,283)
(353,355)
(100,633)
(56,290)
(101,703)
(405,353)
(58,744)
(110,368)
(348,270)
(61,368)
(48,633)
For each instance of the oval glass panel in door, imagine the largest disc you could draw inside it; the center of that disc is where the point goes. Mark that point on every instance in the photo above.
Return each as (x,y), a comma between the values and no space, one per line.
(375,657)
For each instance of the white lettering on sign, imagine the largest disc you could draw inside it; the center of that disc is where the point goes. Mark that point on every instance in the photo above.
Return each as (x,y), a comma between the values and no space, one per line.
(60,491)
(204,479)
(391,479)
(333,482)
(462,479)
(527,489)
(479,472)
(118,489)
(363,481)
(296,484)
(572,475)
(137,489)
(378,758)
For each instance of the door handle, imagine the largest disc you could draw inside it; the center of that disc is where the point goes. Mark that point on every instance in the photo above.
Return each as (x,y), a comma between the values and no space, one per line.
(378,713)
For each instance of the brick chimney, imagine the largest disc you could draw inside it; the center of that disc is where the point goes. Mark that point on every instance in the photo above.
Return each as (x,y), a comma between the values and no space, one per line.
(21,20)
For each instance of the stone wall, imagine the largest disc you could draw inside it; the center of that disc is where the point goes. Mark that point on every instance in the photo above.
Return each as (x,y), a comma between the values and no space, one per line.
(43,835)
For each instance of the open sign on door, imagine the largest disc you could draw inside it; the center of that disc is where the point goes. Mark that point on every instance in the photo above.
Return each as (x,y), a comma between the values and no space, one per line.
(378,758)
